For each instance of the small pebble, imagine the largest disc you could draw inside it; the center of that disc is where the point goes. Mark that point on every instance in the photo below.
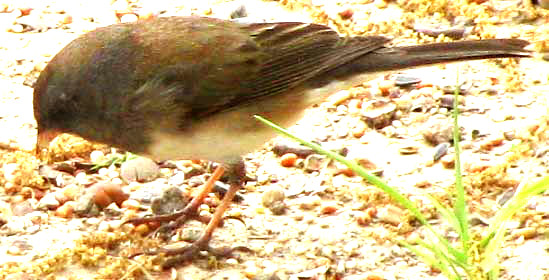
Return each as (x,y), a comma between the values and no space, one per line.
(67,19)
(406,80)
(440,151)
(329,207)
(278,208)
(315,162)
(104,226)
(81,178)
(339,97)
(378,113)
(390,214)
(19,209)
(493,141)
(374,277)
(448,161)
(447,101)
(92,221)
(346,13)
(359,129)
(204,207)
(48,202)
(274,200)
(71,191)
(205,214)
(142,229)
(140,169)
(18,198)
(17,28)
(130,213)
(231,261)
(239,12)
(65,211)
(128,18)
(61,197)
(363,218)
(171,200)
(436,31)
(97,157)
(354,106)
(103,171)
(107,193)
(113,174)
(385,86)
(14,251)
(380,4)
(272,195)
(131,204)
(309,202)
(112,210)
(525,233)
(25,11)
(408,149)
(251,271)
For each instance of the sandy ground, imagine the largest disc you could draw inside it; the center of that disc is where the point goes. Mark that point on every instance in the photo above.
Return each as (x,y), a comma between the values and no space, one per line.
(335,225)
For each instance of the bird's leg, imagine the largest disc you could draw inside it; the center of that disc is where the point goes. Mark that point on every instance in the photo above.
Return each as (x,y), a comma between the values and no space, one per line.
(237,173)
(189,211)
(202,244)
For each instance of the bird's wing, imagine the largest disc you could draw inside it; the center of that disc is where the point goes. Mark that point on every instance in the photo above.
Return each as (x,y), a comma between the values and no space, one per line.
(300,51)
(269,59)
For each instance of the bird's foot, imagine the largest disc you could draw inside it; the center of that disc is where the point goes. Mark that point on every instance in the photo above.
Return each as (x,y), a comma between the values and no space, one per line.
(202,244)
(178,218)
(175,220)
(193,251)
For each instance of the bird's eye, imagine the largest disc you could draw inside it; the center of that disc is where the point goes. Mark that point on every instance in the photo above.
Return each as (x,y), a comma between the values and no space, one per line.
(63,96)
(64,99)
(60,104)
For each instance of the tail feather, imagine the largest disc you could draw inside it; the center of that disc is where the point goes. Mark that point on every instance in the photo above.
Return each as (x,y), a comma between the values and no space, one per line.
(394,58)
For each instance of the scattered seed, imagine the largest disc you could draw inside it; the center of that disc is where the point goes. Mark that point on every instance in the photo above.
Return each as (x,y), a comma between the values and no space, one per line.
(408,150)
(329,207)
(385,86)
(448,161)
(339,97)
(359,129)
(131,204)
(288,160)
(142,229)
(378,113)
(65,211)
(440,150)
(346,14)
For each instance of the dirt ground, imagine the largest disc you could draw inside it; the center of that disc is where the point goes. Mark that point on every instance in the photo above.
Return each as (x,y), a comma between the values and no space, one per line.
(332,225)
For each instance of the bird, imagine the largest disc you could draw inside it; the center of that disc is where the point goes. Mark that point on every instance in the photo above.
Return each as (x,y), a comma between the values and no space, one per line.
(188,87)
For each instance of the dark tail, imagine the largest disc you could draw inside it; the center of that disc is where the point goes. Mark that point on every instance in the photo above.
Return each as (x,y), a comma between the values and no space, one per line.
(405,57)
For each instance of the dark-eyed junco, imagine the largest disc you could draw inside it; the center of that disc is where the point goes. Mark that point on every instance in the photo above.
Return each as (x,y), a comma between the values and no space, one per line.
(187,87)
